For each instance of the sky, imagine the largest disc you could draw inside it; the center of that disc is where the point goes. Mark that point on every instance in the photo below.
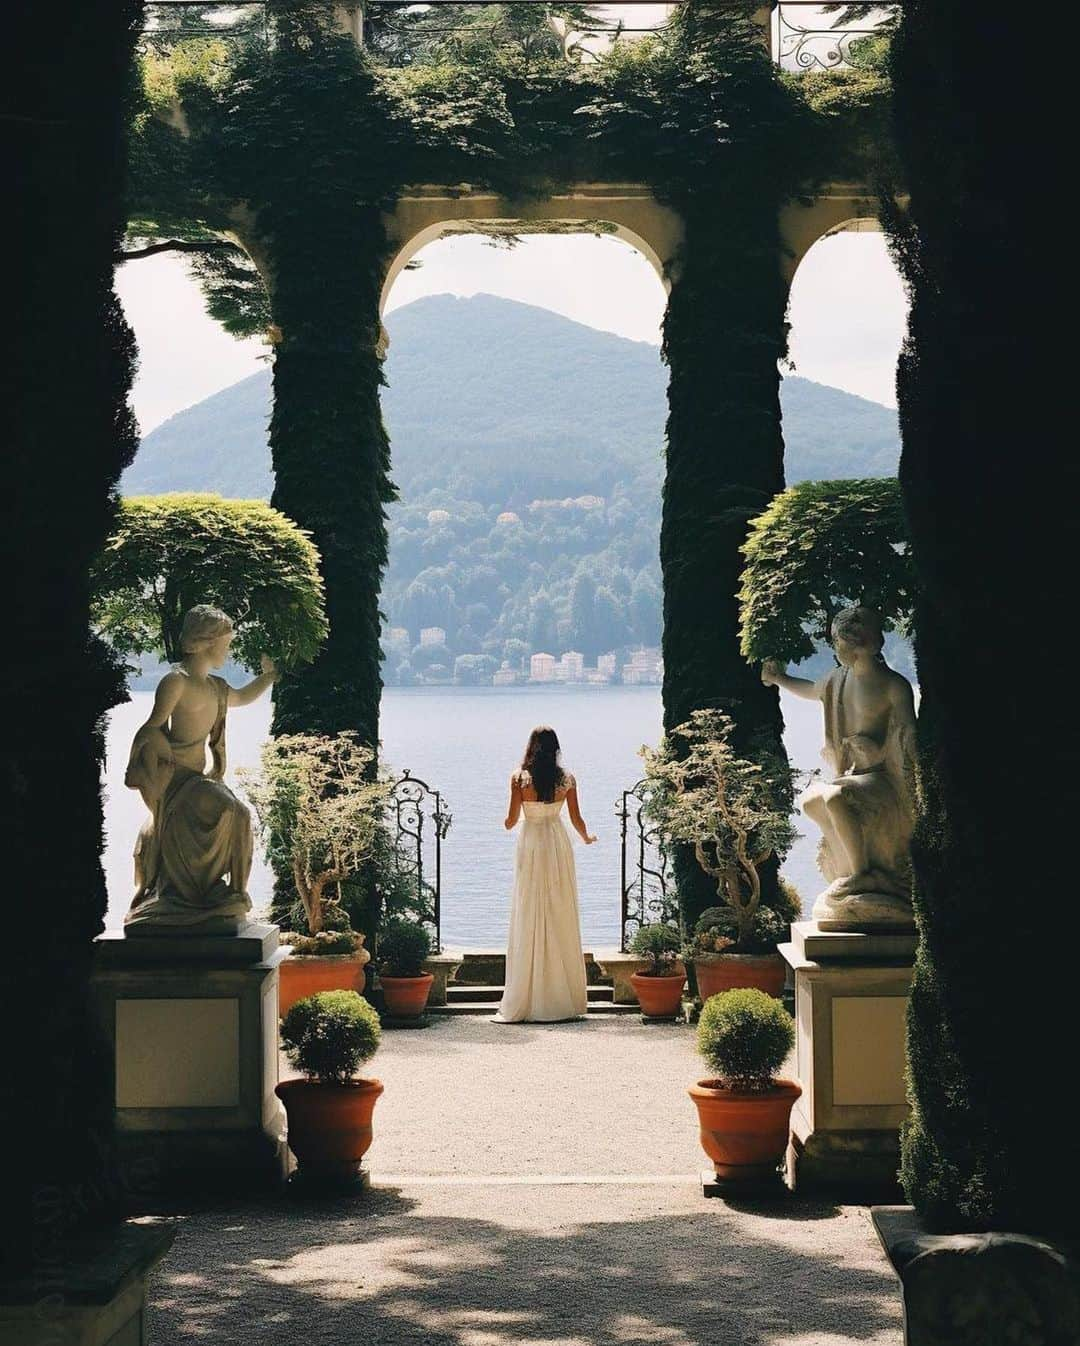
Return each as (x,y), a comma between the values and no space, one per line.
(847,309)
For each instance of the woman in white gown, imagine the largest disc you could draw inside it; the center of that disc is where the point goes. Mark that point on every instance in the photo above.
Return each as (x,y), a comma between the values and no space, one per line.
(545,967)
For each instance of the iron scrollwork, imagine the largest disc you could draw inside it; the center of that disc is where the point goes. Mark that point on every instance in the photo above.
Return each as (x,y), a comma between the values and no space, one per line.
(803,48)
(420,820)
(644,870)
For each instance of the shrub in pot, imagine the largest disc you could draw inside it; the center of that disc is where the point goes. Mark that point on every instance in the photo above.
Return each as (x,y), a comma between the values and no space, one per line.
(328,1036)
(723,962)
(403,948)
(735,814)
(658,985)
(319,812)
(744,1113)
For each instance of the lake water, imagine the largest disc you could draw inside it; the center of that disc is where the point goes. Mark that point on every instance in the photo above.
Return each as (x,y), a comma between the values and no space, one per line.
(465,742)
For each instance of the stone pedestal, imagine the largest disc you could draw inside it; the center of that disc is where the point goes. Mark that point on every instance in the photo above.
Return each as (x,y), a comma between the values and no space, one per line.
(87,1291)
(194,1028)
(973,1289)
(851,994)
(442,967)
(620,967)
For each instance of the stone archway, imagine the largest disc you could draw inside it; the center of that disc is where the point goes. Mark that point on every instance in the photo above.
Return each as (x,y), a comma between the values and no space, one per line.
(628,211)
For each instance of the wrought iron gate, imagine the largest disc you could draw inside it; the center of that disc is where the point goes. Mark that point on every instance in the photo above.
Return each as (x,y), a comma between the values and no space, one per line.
(644,867)
(420,820)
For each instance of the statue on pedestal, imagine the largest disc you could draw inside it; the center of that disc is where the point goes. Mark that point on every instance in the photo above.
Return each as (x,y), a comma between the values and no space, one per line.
(865,807)
(193,854)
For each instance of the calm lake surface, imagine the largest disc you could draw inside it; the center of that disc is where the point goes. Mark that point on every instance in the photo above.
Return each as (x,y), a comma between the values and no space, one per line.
(465,742)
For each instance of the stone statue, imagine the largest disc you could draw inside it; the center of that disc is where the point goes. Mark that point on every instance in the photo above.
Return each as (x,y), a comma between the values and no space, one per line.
(865,807)
(193,854)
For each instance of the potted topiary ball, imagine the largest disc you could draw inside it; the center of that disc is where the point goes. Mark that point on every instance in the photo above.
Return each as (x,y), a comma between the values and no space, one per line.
(328,1036)
(744,1112)
(658,985)
(403,947)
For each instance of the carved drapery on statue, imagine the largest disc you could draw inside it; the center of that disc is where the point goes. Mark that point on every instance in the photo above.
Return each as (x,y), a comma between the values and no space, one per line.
(193,854)
(874,783)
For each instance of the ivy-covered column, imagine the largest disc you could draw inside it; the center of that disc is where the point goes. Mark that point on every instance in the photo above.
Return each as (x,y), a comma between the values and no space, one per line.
(304,143)
(330,457)
(990,488)
(69,434)
(723,335)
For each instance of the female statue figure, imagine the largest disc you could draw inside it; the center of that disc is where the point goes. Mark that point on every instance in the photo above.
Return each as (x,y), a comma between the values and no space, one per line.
(865,807)
(193,854)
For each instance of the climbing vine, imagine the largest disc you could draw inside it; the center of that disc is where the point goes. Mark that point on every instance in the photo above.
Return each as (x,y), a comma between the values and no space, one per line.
(298,152)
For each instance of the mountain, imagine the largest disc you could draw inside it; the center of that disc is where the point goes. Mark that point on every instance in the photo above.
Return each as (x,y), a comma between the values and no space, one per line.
(527,450)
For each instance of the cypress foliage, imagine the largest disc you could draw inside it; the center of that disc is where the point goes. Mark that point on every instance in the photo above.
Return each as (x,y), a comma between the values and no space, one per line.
(70,434)
(987,493)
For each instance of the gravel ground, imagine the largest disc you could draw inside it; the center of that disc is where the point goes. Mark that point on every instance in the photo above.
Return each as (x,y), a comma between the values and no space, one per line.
(532,1186)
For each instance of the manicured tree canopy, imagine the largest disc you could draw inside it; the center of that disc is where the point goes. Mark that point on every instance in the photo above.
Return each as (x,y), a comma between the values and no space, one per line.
(170,552)
(819,547)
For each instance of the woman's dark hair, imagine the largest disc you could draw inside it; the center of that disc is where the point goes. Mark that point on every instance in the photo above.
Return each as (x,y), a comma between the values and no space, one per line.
(541,761)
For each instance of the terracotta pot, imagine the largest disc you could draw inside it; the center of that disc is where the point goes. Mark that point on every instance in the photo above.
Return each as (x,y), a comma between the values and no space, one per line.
(302,974)
(745,1134)
(406,997)
(734,971)
(660,997)
(329,1124)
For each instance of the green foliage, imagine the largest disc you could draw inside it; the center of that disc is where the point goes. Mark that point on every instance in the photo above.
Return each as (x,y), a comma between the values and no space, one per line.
(317,139)
(717,931)
(319,804)
(660,943)
(326,942)
(733,811)
(745,1037)
(167,553)
(330,1035)
(403,947)
(821,546)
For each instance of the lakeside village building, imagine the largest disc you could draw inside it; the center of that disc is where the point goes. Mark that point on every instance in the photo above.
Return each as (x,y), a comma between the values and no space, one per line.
(645,666)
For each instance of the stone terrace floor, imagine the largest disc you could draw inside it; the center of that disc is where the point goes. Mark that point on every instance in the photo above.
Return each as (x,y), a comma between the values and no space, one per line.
(531,1186)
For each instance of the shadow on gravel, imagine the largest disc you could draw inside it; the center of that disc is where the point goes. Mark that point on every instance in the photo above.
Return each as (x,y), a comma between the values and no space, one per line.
(386,1271)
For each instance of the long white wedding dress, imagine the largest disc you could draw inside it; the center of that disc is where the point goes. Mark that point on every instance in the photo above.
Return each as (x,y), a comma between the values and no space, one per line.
(545,967)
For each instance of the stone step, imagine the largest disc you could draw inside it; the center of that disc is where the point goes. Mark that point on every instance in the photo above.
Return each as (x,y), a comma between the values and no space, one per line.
(478,1007)
(476,995)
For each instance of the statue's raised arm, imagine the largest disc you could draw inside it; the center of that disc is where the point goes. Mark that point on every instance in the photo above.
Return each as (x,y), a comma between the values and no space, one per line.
(193,854)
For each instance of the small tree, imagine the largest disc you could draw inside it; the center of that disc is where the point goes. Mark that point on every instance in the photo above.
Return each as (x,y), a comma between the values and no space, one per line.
(736,813)
(319,810)
(819,547)
(170,552)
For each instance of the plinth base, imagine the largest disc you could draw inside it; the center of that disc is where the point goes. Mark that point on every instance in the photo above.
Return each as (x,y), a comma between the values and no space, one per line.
(303,1183)
(973,1289)
(851,993)
(861,1164)
(90,1292)
(194,1027)
(768,1183)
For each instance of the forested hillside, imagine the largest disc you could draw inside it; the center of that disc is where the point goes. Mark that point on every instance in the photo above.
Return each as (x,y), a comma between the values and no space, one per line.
(527,451)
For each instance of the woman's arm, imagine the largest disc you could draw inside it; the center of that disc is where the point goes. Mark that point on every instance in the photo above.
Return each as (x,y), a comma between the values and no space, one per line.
(576,819)
(513,809)
(251,691)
